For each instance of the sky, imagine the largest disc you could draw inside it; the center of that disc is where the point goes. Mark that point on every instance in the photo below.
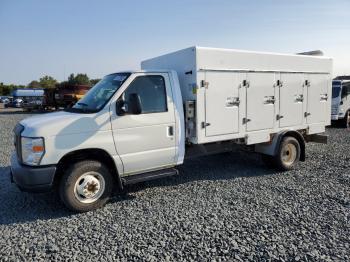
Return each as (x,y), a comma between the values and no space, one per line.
(47,37)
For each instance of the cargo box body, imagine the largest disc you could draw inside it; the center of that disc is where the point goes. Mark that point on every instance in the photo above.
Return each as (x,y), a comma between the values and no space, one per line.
(233,94)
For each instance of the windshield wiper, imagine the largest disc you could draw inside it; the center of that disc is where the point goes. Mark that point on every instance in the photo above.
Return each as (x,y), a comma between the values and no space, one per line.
(82,104)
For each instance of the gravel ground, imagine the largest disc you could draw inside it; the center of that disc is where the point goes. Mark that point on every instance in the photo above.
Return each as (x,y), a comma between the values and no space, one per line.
(223,207)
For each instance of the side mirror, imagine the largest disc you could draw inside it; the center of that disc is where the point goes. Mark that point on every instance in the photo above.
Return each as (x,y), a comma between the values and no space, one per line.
(121,107)
(134,104)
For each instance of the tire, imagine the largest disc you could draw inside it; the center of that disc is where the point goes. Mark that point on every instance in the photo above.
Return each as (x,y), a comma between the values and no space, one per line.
(86,185)
(346,120)
(288,154)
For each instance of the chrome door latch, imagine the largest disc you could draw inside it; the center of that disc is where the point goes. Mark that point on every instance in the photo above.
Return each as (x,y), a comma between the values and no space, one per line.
(232,101)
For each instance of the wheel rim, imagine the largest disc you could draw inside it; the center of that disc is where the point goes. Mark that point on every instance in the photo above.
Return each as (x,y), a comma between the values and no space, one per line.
(89,187)
(289,154)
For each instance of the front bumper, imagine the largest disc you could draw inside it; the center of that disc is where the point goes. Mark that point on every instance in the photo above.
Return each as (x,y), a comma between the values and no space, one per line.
(32,179)
(334,117)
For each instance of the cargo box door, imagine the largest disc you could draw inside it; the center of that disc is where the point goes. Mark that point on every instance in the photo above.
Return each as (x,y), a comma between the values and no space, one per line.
(221,103)
(291,100)
(317,98)
(260,101)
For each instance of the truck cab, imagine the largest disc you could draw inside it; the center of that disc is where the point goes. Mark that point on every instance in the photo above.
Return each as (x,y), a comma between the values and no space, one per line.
(341,102)
(127,124)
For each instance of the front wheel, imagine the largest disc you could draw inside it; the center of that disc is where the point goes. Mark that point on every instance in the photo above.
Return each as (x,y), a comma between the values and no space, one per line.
(86,185)
(346,120)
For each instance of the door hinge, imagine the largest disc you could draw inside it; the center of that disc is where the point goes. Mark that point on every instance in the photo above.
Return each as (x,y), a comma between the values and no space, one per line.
(204,125)
(306,114)
(246,120)
(245,83)
(204,84)
(279,83)
(278,117)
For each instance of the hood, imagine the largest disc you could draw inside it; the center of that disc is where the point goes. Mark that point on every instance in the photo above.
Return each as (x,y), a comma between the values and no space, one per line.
(64,123)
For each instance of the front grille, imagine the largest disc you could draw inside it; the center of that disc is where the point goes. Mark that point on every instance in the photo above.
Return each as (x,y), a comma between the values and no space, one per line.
(335,110)
(17,140)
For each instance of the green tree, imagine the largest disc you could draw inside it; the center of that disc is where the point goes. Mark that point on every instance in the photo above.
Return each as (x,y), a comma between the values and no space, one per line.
(94,81)
(79,79)
(47,82)
(34,84)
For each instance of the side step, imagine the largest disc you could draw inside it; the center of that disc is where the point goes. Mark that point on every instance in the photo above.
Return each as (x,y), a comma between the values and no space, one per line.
(133,179)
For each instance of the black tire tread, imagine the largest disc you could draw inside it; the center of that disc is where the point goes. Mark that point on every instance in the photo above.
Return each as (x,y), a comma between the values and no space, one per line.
(68,180)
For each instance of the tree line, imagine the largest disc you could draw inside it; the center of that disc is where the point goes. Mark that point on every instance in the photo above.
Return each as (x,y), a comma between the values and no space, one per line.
(50,82)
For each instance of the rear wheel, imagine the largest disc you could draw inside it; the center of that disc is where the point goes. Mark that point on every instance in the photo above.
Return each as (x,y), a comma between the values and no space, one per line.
(86,185)
(288,153)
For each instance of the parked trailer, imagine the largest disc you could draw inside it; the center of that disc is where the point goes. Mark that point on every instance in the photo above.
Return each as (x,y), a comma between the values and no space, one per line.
(139,125)
(67,95)
(28,98)
(341,102)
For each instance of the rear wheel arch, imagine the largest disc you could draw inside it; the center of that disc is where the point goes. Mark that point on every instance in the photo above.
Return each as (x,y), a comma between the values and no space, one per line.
(298,137)
(96,154)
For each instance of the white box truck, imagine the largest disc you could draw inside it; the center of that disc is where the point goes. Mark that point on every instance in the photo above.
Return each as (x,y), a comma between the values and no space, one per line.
(139,125)
(341,102)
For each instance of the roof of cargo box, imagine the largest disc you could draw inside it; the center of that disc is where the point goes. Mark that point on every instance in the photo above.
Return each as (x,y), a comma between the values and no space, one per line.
(220,59)
(26,92)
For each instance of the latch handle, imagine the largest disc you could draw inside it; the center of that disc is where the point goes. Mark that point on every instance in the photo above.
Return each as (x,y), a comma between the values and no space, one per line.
(324,97)
(204,125)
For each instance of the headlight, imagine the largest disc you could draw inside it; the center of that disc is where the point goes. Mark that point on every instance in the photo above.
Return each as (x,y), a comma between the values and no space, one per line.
(33,150)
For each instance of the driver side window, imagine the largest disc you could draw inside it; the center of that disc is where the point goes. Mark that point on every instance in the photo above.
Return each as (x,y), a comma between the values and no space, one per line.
(152,93)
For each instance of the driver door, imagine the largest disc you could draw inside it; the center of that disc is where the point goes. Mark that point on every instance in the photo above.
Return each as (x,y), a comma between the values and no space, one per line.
(146,141)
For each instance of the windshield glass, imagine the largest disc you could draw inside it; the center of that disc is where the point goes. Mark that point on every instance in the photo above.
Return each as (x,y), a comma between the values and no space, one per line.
(336,90)
(98,96)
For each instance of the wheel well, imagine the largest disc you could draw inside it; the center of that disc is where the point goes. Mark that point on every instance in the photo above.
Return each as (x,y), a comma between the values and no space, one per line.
(300,139)
(85,154)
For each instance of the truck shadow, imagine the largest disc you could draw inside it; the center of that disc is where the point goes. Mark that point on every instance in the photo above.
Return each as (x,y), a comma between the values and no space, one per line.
(21,207)
(225,166)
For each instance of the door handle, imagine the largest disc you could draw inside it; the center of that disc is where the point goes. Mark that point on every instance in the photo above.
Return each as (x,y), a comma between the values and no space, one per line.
(324,97)
(269,99)
(299,98)
(232,101)
(170,131)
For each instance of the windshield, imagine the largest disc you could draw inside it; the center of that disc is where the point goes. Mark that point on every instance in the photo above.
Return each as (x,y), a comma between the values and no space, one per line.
(98,96)
(336,90)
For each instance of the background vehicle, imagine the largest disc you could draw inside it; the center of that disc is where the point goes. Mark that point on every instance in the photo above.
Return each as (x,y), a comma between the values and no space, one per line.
(4,99)
(28,98)
(64,95)
(139,125)
(67,95)
(341,102)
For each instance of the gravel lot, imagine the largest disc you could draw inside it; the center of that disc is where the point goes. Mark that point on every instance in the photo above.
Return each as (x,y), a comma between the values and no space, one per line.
(223,207)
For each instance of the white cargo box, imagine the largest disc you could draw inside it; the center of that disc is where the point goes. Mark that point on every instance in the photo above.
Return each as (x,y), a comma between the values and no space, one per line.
(250,95)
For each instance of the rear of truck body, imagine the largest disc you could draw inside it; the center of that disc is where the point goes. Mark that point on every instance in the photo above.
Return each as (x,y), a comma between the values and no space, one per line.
(139,125)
